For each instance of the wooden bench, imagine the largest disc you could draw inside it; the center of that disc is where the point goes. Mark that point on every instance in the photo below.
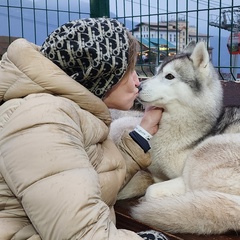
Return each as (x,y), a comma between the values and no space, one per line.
(124,220)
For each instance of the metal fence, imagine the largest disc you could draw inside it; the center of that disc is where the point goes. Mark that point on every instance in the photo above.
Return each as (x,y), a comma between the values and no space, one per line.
(162,27)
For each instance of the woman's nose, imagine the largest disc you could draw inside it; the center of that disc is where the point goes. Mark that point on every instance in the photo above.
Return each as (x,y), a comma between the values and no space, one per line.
(136,79)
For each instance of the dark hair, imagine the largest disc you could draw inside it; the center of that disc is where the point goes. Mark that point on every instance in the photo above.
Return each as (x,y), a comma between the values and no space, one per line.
(132,52)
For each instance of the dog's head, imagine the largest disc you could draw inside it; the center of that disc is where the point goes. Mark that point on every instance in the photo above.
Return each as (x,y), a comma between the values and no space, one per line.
(182,79)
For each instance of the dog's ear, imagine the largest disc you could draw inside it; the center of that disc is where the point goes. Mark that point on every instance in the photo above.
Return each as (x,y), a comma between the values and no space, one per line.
(189,48)
(200,55)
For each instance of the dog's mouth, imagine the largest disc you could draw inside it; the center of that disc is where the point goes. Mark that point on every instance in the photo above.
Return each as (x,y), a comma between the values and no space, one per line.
(142,101)
(153,104)
(139,100)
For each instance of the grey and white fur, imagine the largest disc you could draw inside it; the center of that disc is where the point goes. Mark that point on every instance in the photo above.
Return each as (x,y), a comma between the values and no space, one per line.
(195,153)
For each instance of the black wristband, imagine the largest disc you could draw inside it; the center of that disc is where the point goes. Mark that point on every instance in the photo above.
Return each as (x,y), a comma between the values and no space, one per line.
(141,141)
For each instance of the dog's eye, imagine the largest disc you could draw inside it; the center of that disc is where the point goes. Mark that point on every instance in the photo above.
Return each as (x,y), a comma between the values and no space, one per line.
(169,76)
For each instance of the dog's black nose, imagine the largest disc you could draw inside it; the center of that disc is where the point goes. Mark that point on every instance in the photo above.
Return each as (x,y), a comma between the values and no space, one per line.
(139,87)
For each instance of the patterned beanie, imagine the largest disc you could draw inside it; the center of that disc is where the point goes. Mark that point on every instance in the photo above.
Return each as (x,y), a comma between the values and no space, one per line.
(93,51)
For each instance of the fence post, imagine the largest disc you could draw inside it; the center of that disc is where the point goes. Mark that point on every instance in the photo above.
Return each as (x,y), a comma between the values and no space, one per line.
(99,8)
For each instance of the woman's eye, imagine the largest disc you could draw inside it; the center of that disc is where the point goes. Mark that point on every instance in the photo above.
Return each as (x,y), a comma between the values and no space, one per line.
(169,76)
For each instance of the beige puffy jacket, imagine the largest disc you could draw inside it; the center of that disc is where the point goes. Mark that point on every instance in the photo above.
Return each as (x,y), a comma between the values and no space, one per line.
(59,171)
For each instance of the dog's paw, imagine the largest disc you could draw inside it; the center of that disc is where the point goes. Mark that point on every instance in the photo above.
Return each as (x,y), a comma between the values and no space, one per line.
(155,191)
(172,187)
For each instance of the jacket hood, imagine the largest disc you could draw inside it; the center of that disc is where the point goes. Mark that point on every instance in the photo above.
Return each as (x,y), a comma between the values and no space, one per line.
(24,70)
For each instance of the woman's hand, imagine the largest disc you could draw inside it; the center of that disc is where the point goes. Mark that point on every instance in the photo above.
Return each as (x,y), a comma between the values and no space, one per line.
(151,119)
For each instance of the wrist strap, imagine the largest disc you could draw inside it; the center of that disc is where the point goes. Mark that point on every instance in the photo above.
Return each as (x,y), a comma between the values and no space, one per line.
(141,131)
(141,141)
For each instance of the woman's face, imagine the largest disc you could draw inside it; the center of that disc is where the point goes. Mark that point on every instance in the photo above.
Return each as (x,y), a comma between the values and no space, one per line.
(123,94)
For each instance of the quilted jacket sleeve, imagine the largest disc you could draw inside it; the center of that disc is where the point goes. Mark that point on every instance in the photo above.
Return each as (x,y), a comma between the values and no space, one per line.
(135,158)
(45,165)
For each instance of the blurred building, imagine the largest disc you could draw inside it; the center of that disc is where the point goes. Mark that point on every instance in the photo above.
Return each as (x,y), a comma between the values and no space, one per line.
(176,32)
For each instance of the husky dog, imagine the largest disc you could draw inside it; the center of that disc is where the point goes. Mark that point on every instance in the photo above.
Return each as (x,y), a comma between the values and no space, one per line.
(196,151)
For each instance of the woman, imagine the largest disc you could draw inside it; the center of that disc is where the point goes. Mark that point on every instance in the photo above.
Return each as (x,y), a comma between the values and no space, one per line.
(59,171)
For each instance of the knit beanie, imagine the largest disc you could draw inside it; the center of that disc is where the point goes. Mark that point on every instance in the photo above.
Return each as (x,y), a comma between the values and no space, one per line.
(93,51)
